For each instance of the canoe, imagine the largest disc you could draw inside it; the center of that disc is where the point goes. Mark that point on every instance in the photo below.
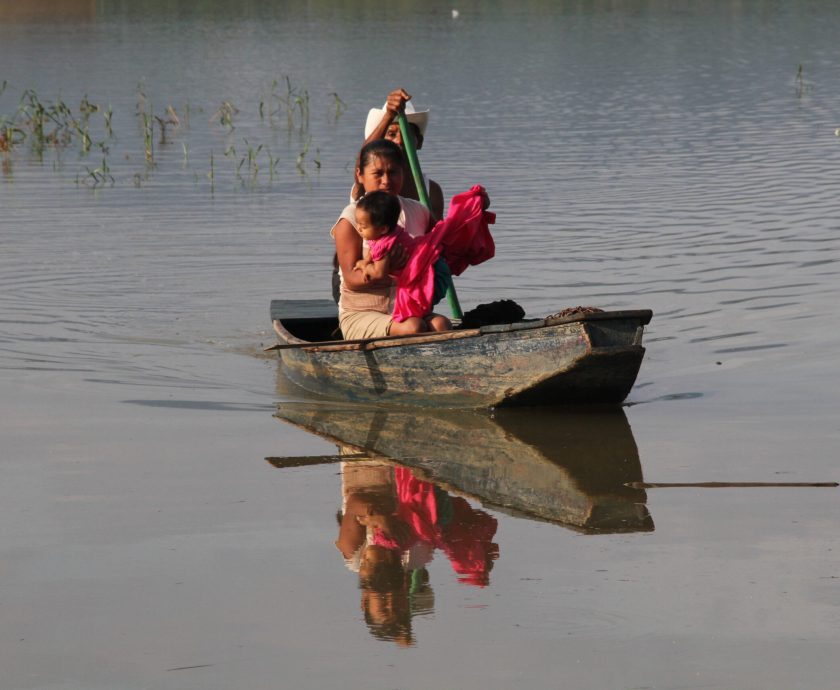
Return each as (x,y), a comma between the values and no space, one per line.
(583,358)
(576,469)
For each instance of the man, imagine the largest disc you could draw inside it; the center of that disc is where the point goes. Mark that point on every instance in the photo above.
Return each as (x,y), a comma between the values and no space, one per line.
(383,124)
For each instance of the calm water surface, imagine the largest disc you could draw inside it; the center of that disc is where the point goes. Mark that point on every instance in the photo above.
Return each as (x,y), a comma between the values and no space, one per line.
(161,528)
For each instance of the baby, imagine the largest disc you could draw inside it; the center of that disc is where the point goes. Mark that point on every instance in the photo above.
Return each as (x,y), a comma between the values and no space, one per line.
(377,214)
(461,239)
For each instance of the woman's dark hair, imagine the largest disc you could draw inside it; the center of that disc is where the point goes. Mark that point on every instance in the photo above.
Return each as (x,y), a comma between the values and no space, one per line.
(383,209)
(379,148)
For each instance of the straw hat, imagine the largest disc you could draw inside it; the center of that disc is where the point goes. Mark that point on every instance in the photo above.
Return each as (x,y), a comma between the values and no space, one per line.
(415,117)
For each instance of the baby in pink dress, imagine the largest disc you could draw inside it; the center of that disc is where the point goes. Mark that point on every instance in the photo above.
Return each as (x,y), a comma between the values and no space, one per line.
(461,239)
(377,214)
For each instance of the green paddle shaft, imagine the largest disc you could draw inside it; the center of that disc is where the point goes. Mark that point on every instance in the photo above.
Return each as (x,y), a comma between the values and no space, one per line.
(414,164)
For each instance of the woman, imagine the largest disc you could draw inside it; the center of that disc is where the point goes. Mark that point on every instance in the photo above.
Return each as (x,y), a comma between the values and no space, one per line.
(364,308)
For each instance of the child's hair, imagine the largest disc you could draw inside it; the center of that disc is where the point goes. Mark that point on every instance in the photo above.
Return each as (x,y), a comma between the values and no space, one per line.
(383,209)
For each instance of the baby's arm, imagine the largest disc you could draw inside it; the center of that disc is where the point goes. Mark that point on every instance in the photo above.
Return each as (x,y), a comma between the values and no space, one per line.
(379,269)
(373,269)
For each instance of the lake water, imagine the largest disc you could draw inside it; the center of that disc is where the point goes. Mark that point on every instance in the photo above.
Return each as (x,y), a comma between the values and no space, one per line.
(156,530)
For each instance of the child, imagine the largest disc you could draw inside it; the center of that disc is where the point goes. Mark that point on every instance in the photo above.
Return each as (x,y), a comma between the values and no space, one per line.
(462,239)
(377,214)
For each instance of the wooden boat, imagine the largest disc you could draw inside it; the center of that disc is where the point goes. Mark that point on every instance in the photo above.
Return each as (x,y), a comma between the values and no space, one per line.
(584,358)
(572,468)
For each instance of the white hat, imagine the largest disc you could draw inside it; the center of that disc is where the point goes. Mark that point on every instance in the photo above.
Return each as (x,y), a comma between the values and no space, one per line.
(421,118)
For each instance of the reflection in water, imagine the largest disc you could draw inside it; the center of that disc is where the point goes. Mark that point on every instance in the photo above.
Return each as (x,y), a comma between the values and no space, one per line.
(389,527)
(400,469)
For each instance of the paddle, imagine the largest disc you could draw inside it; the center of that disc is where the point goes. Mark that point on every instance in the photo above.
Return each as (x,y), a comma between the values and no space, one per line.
(414,164)
(306,460)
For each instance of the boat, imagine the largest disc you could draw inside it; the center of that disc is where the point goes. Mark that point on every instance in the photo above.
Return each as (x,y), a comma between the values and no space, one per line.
(576,469)
(554,360)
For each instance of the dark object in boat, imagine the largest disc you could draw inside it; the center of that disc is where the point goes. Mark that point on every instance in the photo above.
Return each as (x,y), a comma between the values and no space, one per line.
(492,313)
(574,311)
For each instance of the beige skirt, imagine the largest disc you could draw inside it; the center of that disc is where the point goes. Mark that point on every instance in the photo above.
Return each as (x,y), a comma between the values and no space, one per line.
(356,325)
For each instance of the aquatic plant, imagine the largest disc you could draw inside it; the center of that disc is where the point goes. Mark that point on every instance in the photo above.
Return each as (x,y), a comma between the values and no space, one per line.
(86,109)
(225,114)
(339,105)
(44,125)
(85,137)
(108,115)
(801,84)
(143,112)
(252,156)
(141,98)
(294,102)
(171,119)
(98,176)
(272,165)
(301,159)
(148,125)
(11,135)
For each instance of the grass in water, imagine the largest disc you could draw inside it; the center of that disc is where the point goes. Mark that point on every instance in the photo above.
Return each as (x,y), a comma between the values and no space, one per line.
(40,126)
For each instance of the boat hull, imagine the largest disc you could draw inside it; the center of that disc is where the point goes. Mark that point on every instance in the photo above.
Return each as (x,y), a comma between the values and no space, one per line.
(590,360)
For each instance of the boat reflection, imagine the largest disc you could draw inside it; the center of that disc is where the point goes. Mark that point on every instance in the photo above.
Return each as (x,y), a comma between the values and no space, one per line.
(569,468)
(407,476)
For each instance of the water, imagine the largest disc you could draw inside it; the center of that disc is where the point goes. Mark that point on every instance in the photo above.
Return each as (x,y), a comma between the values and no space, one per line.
(644,155)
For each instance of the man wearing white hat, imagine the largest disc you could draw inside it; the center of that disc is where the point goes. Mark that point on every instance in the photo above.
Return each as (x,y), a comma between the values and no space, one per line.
(382,124)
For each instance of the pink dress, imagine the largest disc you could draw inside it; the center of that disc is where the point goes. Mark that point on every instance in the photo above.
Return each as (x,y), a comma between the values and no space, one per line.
(379,248)
(462,238)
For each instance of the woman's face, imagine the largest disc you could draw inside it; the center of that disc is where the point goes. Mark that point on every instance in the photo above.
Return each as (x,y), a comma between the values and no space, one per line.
(381,175)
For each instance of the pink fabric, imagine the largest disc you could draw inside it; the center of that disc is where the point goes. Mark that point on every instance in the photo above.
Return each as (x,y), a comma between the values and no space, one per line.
(463,238)
(467,540)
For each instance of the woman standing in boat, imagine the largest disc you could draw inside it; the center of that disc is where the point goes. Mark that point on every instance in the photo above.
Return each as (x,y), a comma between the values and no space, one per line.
(364,308)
